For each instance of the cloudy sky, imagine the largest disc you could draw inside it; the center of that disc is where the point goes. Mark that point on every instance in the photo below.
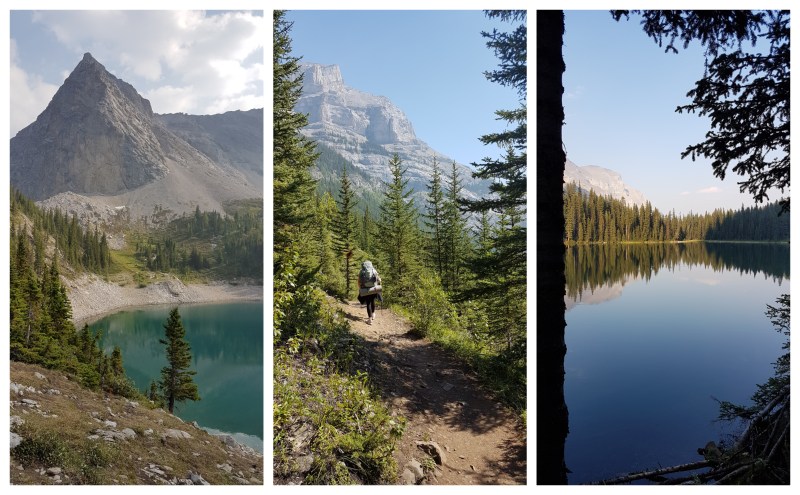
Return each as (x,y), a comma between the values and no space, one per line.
(199,62)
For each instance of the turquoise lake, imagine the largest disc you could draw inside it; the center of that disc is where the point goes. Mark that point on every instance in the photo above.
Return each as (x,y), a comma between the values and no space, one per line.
(227,342)
(655,335)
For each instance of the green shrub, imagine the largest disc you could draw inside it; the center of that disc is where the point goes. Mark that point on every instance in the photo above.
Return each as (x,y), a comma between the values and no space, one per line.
(41,447)
(430,309)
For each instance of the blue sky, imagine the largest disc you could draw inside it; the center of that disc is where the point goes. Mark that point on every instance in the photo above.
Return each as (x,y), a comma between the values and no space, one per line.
(199,62)
(428,63)
(621,91)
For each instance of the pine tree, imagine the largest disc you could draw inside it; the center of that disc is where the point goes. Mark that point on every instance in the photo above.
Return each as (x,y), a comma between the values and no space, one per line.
(116,362)
(456,238)
(344,227)
(176,378)
(398,227)
(367,226)
(434,220)
(293,154)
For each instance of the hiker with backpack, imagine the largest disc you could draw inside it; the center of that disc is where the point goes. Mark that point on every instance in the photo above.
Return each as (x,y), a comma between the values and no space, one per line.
(369,287)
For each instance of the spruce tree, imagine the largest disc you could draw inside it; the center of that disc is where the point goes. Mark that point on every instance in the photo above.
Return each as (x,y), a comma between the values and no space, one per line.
(434,220)
(456,237)
(176,379)
(344,228)
(293,154)
(398,226)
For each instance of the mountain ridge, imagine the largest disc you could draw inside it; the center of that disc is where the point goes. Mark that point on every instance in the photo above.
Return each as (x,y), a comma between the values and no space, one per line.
(602,181)
(366,129)
(98,138)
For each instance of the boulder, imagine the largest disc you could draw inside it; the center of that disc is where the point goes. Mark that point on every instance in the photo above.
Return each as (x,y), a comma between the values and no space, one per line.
(15,439)
(416,468)
(434,450)
(173,433)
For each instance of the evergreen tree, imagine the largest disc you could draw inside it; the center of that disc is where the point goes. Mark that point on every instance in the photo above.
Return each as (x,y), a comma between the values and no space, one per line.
(344,228)
(745,94)
(434,220)
(398,226)
(456,238)
(116,362)
(367,227)
(293,154)
(176,378)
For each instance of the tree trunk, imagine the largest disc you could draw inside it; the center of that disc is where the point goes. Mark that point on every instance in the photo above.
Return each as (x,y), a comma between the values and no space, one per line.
(551,414)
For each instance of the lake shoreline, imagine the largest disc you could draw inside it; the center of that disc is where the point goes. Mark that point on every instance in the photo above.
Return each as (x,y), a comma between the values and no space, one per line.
(92,297)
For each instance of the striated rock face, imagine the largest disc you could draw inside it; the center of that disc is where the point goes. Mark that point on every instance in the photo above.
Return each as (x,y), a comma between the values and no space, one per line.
(233,138)
(602,181)
(96,135)
(99,138)
(365,130)
(334,108)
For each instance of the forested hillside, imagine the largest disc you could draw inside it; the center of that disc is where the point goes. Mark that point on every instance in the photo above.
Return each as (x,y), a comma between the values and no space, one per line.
(461,287)
(41,328)
(590,217)
(229,244)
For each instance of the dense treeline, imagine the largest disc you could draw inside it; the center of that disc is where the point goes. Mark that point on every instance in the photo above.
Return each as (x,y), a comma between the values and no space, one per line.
(590,267)
(41,329)
(80,248)
(232,243)
(590,217)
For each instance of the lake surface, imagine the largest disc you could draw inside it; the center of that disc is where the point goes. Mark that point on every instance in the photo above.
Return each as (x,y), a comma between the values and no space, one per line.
(227,353)
(654,334)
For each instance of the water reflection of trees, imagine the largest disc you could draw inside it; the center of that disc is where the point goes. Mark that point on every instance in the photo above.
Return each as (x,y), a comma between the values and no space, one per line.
(230,333)
(591,266)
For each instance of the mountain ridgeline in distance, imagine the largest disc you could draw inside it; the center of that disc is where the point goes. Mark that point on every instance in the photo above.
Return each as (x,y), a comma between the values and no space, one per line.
(364,130)
(99,139)
(602,181)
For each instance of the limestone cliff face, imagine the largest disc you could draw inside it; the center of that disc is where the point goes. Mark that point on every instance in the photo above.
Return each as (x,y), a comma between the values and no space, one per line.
(602,181)
(366,130)
(232,138)
(95,136)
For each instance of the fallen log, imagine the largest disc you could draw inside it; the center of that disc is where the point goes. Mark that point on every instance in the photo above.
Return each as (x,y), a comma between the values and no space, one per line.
(653,473)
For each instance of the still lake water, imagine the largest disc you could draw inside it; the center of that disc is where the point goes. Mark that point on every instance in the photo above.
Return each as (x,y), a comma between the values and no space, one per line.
(654,334)
(227,342)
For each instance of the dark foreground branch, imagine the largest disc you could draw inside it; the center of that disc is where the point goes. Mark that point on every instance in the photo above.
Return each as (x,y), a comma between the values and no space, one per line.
(653,473)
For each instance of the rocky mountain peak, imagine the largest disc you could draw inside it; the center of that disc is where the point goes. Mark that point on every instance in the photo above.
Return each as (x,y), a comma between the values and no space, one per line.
(99,138)
(365,130)
(602,181)
(97,135)
(322,79)
(94,83)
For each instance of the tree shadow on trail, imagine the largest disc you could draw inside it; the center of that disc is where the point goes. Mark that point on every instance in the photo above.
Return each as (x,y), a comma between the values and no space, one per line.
(431,382)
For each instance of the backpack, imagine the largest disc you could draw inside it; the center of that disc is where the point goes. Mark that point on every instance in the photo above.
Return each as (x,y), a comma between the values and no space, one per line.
(367,276)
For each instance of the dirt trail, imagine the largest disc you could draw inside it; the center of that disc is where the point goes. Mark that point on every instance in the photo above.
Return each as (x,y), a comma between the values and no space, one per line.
(483,441)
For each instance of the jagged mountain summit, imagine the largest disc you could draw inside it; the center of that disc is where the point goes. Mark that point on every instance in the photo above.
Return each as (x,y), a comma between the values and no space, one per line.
(365,130)
(602,181)
(100,139)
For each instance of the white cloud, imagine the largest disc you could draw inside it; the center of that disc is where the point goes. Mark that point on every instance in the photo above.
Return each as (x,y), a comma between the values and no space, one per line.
(181,61)
(170,99)
(30,94)
(709,190)
(684,193)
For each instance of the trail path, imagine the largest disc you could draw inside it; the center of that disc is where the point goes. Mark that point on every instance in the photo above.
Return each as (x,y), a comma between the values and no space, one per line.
(483,442)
